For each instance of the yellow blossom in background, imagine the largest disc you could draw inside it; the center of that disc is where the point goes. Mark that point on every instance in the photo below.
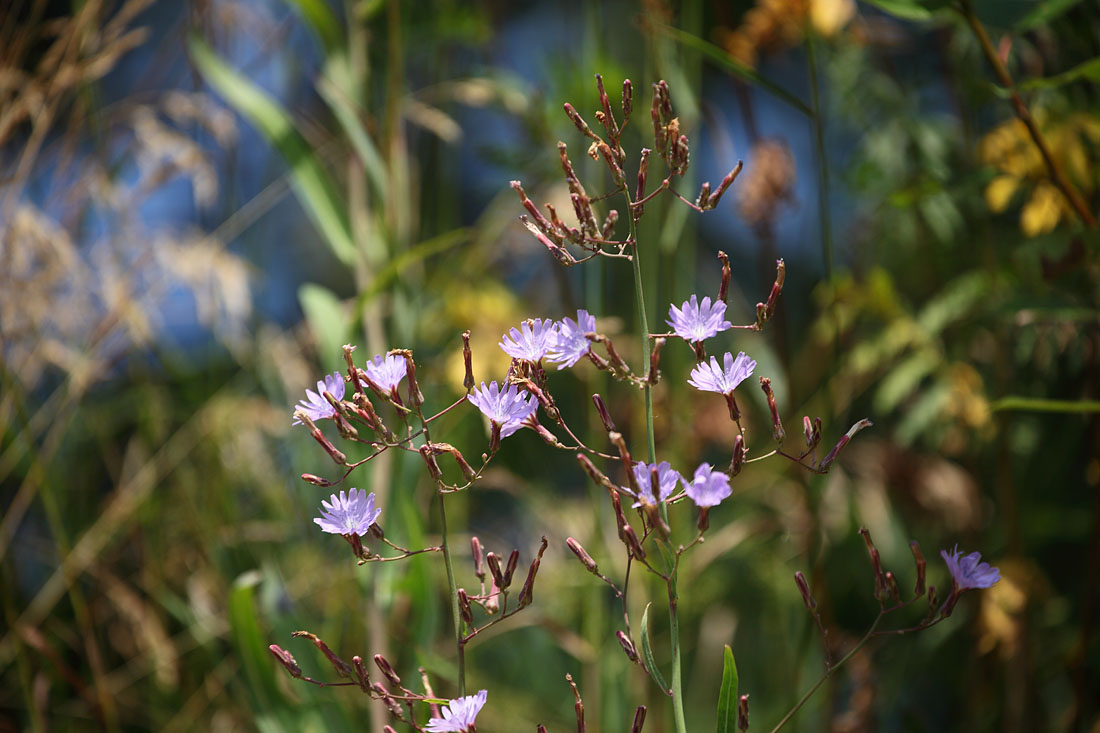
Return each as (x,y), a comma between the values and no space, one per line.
(772,25)
(1010,149)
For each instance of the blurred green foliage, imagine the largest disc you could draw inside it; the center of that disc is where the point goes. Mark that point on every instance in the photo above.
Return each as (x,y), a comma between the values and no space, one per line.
(155,539)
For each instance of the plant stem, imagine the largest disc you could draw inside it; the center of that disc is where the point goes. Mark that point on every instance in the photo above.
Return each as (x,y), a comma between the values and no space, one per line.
(829,673)
(673,625)
(453,590)
(1057,176)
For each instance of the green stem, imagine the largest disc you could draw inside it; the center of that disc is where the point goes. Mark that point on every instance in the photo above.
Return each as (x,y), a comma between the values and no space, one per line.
(674,624)
(809,693)
(453,588)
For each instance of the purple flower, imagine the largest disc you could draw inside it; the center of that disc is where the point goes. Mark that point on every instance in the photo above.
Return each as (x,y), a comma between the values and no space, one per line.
(696,322)
(711,378)
(387,371)
(315,406)
(353,513)
(666,481)
(968,571)
(459,715)
(708,487)
(532,340)
(571,345)
(508,407)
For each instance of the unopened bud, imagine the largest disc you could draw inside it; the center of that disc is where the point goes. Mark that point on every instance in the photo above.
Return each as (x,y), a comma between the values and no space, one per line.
(433,465)
(918,558)
(578,706)
(738,459)
(286,659)
(388,729)
(723,290)
(527,592)
(342,668)
(608,229)
(804,589)
(743,713)
(595,473)
(632,543)
(643,172)
(628,100)
(316,480)
(582,555)
(892,587)
(386,669)
(726,183)
(464,607)
(467,362)
(808,430)
(777,425)
(578,121)
(639,720)
(704,195)
(479,559)
(844,439)
(510,568)
(494,568)
(605,416)
(627,645)
(361,672)
(655,359)
(876,566)
(616,439)
(353,372)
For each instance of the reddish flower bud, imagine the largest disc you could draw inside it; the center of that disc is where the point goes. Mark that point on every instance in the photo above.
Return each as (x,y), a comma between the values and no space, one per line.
(627,645)
(831,456)
(738,459)
(582,555)
(467,362)
(804,589)
(723,290)
(743,713)
(605,416)
(286,659)
(918,558)
(494,568)
(639,720)
(510,568)
(777,425)
(387,669)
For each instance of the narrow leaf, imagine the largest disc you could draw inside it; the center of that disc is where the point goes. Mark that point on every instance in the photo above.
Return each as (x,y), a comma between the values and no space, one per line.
(727,695)
(1035,404)
(1044,13)
(348,117)
(647,653)
(734,66)
(312,184)
(1089,70)
(907,9)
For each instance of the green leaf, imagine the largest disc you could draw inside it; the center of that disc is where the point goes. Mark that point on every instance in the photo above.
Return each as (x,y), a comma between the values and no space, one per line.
(647,653)
(348,116)
(393,269)
(1044,13)
(723,59)
(727,695)
(1035,404)
(1089,70)
(324,22)
(252,651)
(327,319)
(312,184)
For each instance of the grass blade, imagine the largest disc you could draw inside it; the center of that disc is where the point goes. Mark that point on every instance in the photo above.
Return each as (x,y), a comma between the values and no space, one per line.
(647,653)
(727,694)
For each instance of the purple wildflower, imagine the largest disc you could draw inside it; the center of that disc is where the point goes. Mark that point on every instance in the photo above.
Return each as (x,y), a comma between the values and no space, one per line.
(387,371)
(708,487)
(711,378)
(315,406)
(459,715)
(348,514)
(571,344)
(508,407)
(968,571)
(667,479)
(532,340)
(696,322)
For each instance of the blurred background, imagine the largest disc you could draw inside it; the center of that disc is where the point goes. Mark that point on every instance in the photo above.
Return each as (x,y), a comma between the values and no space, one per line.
(201,201)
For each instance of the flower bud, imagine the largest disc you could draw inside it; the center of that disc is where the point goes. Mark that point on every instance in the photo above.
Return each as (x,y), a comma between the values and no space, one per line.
(723,290)
(628,100)
(876,566)
(464,607)
(317,480)
(632,543)
(918,558)
(704,195)
(578,706)
(627,645)
(608,229)
(643,173)
(510,568)
(777,425)
(353,373)
(595,473)
(494,568)
(361,672)
(654,360)
(831,456)
(286,659)
(386,668)
(738,459)
(808,430)
(342,668)
(478,558)
(804,589)
(639,720)
(433,465)
(527,592)
(582,555)
(726,183)
(605,416)
(467,362)
(892,587)
(579,122)
(743,713)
